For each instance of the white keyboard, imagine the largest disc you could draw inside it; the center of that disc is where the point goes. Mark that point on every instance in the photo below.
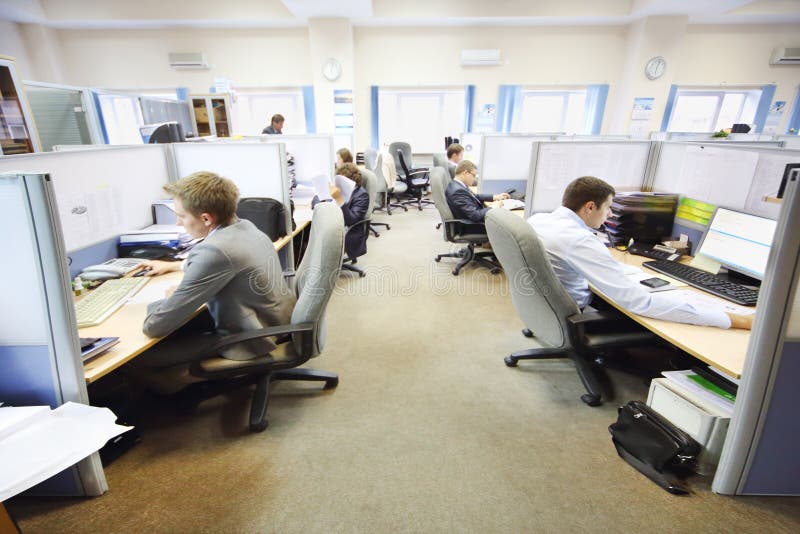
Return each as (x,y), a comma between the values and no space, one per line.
(98,305)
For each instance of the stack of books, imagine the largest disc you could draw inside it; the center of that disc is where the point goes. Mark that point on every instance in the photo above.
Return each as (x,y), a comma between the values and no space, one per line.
(644,217)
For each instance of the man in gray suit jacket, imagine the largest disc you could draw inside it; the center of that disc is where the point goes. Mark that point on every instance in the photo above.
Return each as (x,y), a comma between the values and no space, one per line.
(235,271)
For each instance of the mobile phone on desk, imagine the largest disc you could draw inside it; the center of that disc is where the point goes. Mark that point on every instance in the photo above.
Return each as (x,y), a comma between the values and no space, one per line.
(511,191)
(654,282)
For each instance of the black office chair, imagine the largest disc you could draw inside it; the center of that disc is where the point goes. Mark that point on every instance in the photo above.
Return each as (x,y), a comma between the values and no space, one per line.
(267,214)
(460,231)
(357,234)
(416,180)
(297,342)
(547,310)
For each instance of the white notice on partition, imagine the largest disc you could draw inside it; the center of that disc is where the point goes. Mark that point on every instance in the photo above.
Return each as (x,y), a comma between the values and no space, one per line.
(718,176)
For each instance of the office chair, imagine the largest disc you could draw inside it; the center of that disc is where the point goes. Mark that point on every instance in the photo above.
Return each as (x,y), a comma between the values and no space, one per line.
(370,163)
(356,235)
(385,171)
(299,341)
(267,214)
(547,309)
(440,160)
(416,180)
(459,230)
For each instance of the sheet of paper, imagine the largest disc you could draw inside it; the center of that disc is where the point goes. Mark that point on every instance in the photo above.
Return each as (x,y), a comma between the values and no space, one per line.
(703,262)
(12,419)
(322,186)
(346,186)
(155,289)
(49,445)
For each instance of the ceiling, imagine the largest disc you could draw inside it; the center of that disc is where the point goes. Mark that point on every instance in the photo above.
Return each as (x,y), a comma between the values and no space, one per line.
(155,14)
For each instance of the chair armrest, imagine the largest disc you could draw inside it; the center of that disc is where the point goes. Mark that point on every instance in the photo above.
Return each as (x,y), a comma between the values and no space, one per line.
(581,319)
(257,334)
(359,223)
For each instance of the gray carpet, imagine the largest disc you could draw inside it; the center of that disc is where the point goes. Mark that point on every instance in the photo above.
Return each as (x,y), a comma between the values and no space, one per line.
(428,431)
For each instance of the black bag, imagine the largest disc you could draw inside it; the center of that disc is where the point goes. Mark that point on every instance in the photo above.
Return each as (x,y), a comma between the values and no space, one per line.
(654,446)
(267,214)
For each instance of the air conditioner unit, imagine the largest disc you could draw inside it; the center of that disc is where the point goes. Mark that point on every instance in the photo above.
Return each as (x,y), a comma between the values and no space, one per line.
(786,56)
(482,57)
(188,60)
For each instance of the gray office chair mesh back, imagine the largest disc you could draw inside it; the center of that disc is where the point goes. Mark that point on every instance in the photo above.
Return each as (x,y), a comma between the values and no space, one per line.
(439,181)
(537,294)
(317,274)
(370,184)
(370,158)
(440,160)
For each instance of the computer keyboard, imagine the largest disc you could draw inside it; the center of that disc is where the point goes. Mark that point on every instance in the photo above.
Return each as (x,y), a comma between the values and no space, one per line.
(707,282)
(98,305)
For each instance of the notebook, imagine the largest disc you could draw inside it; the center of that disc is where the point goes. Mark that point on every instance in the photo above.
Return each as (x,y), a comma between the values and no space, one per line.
(94,346)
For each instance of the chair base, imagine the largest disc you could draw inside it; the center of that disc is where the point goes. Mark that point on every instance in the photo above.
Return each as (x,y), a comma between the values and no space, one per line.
(258,406)
(372,229)
(419,202)
(586,370)
(468,254)
(347,265)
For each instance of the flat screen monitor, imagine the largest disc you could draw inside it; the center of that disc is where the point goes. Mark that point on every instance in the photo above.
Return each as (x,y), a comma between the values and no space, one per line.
(739,241)
(168,132)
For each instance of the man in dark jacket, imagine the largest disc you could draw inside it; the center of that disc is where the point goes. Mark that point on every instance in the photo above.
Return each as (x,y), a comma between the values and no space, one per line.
(462,201)
(275,125)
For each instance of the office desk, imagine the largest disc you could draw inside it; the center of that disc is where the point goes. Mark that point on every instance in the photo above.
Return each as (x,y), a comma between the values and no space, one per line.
(724,349)
(126,323)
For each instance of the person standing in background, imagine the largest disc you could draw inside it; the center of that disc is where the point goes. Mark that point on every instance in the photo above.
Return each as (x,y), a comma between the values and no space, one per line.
(276,125)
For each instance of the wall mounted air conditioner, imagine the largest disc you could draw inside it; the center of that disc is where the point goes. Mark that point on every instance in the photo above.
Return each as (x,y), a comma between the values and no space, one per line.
(786,56)
(188,60)
(483,57)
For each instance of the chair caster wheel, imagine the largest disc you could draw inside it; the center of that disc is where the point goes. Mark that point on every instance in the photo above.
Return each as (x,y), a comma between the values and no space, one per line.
(437,259)
(362,274)
(330,384)
(495,271)
(591,400)
(388,227)
(260,426)
(510,362)
(455,272)
(527,332)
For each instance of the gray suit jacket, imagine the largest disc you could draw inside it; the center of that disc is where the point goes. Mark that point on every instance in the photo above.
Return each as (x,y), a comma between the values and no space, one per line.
(236,272)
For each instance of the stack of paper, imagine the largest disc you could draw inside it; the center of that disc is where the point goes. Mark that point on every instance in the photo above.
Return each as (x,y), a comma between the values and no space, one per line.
(687,380)
(695,211)
(645,217)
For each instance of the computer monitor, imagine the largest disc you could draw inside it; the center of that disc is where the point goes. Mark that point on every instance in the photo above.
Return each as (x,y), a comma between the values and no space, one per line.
(739,241)
(168,132)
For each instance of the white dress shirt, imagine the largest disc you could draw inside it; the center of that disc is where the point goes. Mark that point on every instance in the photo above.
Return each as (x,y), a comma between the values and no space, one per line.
(580,258)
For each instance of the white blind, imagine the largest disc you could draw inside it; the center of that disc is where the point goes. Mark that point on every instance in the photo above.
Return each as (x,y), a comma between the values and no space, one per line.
(422,118)
(254,109)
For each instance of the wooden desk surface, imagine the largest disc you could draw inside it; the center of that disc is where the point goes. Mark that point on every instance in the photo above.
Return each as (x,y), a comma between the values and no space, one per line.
(724,349)
(126,323)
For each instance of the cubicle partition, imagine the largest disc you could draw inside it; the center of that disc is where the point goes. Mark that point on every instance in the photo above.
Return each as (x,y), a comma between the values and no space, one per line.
(39,348)
(258,169)
(100,193)
(313,155)
(505,161)
(472,143)
(623,164)
(741,177)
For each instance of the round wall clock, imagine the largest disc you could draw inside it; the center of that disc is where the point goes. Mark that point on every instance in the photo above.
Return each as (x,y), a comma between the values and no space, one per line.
(655,67)
(332,69)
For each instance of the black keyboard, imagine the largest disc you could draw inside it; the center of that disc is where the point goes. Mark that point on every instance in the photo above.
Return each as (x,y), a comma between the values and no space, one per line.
(707,282)
(649,252)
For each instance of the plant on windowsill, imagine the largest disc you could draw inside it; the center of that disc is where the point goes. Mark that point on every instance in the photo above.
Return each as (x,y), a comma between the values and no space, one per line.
(720,134)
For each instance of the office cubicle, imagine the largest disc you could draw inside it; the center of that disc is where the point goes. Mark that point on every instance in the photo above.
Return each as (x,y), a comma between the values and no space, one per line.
(64,115)
(554,165)
(505,161)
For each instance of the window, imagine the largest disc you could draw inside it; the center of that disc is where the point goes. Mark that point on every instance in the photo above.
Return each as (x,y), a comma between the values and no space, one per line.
(551,111)
(253,109)
(704,110)
(420,117)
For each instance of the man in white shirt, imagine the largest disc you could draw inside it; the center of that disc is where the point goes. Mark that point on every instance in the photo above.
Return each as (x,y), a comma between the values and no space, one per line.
(580,258)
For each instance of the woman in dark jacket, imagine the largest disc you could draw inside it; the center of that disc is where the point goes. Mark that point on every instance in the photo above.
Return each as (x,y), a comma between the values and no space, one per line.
(354,211)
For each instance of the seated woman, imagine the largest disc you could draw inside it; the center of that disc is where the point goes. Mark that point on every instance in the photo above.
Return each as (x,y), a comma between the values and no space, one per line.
(354,209)
(343,156)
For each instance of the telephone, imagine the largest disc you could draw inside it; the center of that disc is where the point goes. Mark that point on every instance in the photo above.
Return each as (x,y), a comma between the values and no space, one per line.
(114,268)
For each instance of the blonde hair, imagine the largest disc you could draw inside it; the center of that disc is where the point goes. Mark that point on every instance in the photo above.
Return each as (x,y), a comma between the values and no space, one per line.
(465,166)
(207,192)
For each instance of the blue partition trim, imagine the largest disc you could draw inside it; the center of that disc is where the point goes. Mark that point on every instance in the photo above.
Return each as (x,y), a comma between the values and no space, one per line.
(508,97)
(182,93)
(310,109)
(374,91)
(469,107)
(80,259)
(776,463)
(767,93)
(27,377)
(694,235)
(673,94)
(596,96)
(794,118)
(99,110)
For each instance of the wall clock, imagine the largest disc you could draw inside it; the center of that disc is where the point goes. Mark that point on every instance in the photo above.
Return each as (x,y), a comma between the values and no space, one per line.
(655,67)
(332,69)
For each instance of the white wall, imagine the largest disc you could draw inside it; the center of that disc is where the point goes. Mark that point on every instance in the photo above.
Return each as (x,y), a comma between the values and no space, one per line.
(700,55)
